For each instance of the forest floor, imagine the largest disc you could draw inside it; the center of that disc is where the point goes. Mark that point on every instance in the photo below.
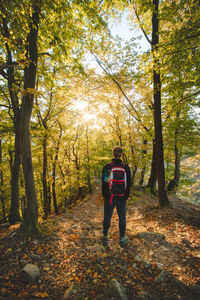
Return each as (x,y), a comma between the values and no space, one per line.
(161,260)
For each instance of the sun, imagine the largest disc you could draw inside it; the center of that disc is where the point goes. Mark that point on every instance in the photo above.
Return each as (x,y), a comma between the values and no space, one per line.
(89,117)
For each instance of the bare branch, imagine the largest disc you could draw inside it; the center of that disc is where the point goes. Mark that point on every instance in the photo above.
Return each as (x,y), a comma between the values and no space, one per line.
(3,74)
(141,27)
(137,117)
(10,65)
(44,53)
(6,106)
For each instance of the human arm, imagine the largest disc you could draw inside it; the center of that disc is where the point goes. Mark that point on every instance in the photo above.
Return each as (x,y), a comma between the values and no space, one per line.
(104,180)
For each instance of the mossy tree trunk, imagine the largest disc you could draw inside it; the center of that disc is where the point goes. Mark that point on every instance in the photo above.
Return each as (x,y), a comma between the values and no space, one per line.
(30,220)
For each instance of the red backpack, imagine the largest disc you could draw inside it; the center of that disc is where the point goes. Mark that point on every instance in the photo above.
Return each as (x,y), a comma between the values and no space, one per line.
(117,180)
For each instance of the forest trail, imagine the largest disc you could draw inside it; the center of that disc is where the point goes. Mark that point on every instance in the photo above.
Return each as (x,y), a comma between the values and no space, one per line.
(161,260)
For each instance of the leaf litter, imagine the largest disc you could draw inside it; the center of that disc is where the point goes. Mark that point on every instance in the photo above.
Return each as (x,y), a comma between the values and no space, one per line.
(74,263)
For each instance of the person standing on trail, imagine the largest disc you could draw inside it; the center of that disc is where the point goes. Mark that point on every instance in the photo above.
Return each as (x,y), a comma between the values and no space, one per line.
(116,183)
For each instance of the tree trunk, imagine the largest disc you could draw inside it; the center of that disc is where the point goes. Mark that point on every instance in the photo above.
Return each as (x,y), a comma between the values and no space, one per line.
(49,197)
(68,202)
(88,162)
(44,177)
(30,220)
(1,189)
(144,152)
(54,188)
(14,210)
(134,170)
(162,194)
(14,215)
(152,179)
(54,173)
(134,166)
(175,181)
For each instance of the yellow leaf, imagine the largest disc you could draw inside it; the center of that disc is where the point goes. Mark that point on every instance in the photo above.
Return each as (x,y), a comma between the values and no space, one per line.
(44,295)
(41,295)
(3,290)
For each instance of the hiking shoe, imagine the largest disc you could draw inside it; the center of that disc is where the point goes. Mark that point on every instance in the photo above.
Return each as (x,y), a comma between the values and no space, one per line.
(123,241)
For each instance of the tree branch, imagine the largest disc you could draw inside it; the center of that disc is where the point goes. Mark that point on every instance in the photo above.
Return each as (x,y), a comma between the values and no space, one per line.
(180,101)
(141,27)
(6,106)
(137,117)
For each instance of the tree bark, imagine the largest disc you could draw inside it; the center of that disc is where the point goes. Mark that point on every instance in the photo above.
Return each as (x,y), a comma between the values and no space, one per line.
(68,202)
(88,161)
(173,184)
(152,179)
(133,165)
(14,210)
(54,173)
(144,152)
(30,220)
(44,177)
(1,189)
(162,194)
(49,197)
(14,215)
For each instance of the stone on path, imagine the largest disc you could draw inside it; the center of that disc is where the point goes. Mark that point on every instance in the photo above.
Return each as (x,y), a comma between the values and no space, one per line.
(30,272)
(139,258)
(116,290)
(150,236)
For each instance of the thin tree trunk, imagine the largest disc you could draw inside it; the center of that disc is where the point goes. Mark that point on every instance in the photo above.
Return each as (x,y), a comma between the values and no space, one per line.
(134,171)
(30,220)
(88,162)
(152,179)
(76,160)
(144,152)
(175,181)
(54,188)
(69,178)
(54,173)
(1,189)
(49,197)
(162,194)
(44,177)
(134,166)
(14,210)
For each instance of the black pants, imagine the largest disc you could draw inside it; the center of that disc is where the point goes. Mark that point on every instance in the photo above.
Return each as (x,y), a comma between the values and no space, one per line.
(108,212)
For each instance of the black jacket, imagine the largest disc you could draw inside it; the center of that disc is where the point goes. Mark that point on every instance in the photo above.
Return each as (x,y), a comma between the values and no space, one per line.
(105,175)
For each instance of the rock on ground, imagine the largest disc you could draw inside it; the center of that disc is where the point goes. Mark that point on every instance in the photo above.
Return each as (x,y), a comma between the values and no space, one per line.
(30,272)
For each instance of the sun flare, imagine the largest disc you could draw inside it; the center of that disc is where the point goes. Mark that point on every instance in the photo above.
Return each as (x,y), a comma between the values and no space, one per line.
(89,116)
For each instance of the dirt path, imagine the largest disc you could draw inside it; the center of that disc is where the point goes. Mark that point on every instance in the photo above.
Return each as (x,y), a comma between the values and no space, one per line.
(74,263)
